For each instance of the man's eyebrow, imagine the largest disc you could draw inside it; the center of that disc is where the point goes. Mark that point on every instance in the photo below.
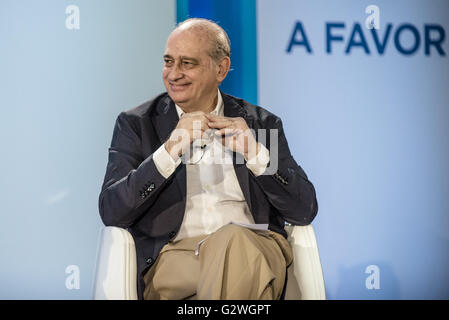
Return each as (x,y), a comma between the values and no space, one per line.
(194,60)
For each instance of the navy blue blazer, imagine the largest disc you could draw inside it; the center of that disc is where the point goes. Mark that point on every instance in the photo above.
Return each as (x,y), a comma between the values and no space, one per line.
(135,196)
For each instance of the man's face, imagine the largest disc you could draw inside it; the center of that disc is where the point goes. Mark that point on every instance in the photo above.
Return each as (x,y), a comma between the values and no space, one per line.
(190,76)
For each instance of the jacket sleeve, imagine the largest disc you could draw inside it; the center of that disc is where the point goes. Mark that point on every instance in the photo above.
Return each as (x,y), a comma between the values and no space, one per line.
(131,183)
(285,183)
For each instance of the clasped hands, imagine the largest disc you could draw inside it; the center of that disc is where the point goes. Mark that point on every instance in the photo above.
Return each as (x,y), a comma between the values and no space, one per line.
(234,132)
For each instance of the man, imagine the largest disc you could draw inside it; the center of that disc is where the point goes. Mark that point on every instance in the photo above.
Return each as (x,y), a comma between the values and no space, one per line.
(205,226)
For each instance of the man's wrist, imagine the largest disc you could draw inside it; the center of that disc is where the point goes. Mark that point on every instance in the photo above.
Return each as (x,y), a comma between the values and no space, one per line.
(164,162)
(173,149)
(258,162)
(252,152)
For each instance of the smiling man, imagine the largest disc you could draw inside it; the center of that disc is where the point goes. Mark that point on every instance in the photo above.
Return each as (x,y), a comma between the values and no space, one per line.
(205,227)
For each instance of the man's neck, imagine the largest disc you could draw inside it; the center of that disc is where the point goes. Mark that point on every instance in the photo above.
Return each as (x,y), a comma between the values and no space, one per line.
(208,109)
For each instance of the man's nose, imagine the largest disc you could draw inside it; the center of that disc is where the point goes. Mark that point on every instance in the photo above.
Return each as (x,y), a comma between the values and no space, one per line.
(175,73)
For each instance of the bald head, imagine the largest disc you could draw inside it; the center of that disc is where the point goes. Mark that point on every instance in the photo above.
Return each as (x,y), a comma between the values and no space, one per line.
(219,41)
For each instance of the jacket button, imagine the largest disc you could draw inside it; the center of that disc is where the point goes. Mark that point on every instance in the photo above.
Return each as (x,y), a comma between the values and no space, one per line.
(149,260)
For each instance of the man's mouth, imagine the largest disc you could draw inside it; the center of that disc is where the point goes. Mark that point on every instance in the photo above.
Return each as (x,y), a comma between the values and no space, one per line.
(179,87)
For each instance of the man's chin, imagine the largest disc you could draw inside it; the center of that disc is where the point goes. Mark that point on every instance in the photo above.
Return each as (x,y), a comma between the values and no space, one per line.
(179,99)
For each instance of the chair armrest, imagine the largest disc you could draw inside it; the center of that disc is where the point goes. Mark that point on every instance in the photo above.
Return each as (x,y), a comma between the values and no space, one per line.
(116,269)
(306,271)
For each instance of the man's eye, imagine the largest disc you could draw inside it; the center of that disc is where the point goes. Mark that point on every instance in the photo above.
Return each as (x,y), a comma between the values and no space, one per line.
(189,64)
(167,61)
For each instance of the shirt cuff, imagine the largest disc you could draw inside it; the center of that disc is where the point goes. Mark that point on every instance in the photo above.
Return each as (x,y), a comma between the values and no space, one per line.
(164,162)
(258,163)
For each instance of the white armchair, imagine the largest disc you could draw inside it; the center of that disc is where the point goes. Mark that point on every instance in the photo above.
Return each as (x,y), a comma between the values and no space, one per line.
(116,269)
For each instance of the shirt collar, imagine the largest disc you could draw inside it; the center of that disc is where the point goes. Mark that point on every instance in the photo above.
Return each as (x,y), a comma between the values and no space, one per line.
(218,111)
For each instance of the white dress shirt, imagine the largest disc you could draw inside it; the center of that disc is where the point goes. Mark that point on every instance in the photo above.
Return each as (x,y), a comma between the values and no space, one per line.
(214,197)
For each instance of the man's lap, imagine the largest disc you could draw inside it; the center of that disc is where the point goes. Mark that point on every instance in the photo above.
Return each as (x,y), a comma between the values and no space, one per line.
(231,263)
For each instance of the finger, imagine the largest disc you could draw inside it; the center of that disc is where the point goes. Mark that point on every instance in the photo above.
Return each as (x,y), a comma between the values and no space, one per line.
(229,141)
(225,132)
(220,124)
(210,117)
(214,117)
(202,117)
(198,128)
(204,126)
(217,125)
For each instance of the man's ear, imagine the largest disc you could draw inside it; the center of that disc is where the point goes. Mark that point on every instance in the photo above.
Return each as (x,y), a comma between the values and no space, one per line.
(223,68)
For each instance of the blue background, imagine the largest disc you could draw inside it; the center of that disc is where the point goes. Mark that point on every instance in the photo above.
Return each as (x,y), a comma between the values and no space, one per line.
(60,93)
(238,19)
(369,130)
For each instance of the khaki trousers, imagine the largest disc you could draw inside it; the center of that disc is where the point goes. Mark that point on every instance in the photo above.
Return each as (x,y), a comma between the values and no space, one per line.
(233,263)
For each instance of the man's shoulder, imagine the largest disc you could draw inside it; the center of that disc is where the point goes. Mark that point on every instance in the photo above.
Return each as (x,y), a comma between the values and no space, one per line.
(148,108)
(253,111)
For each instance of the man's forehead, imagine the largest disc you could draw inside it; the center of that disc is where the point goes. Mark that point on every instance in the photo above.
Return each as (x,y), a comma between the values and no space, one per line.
(185,44)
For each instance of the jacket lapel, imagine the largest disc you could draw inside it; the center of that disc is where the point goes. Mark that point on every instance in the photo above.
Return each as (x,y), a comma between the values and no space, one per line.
(166,118)
(164,123)
(233,109)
